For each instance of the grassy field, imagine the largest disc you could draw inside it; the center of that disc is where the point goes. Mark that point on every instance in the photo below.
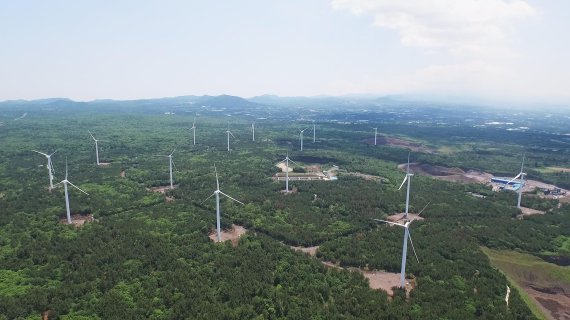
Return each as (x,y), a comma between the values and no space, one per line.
(523,269)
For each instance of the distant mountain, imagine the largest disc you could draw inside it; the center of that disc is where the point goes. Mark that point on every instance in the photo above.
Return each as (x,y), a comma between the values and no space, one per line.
(226,101)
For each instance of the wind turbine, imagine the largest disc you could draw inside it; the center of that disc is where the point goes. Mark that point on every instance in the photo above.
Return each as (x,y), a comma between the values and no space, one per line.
(407,236)
(49,166)
(171,164)
(253,131)
(194,130)
(96,146)
(229,133)
(521,176)
(217,193)
(407,178)
(65,182)
(301,137)
(375,135)
(286,160)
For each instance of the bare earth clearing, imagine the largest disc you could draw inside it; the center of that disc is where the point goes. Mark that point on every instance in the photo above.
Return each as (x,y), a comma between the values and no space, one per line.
(123,174)
(395,142)
(558,169)
(104,164)
(400,217)
(233,234)
(448,174)
(78,220)
(283,167)
(545,283)
(473,176)
(376,279)
(161,189)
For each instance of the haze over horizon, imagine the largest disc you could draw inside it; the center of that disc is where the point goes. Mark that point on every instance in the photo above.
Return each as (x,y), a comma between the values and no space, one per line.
(488,50)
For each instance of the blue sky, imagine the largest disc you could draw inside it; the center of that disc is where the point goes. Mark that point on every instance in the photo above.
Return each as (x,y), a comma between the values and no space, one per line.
(500,50)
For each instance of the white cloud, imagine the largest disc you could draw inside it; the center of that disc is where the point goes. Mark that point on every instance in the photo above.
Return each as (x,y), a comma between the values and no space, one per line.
(460,27)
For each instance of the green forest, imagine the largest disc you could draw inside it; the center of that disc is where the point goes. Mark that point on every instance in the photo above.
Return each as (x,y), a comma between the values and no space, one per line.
(144,257)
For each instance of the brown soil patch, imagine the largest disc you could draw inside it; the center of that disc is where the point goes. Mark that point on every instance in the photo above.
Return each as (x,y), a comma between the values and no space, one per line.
(312,251)
(448,174)
(553,301)
(123,174)
(529,212)
(283,167)
(378,279)
(169,199)
(78,220)
(104,164)
(395,142)
(161,189)
(399,217)
(364,176)
(291,190)
(233,234)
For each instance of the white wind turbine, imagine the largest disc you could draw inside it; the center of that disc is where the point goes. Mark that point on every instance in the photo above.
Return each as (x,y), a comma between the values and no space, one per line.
(217,193)
(375,135)
(49,166)
(407,236)
(301,137)
(229,133)
(521,176)
(171,164)
(286,160)
(96,146)
(65,182)
(408,178)
(253,131)
(194,130)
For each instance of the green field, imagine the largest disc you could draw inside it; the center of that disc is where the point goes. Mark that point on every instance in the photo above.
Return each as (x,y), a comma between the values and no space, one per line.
(521,268)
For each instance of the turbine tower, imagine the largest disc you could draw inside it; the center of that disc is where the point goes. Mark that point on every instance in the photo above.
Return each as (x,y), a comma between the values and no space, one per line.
(65,182)
(375,135)
(286,160)
(253,131)
(521,176)
(194,130)
(301,137)
(49,166)
(229,133)
(96,146)
(407,178)
(217,193)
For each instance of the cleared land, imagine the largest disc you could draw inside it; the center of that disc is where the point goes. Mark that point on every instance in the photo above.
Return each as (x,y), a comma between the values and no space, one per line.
(546,286)
(396,142)
(233,234)
(448,174)
(78,220)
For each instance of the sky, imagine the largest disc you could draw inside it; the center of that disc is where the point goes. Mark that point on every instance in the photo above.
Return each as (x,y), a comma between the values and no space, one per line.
(495,50)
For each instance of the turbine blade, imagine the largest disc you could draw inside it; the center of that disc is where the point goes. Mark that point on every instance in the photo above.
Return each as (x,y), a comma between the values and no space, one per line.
(91,135)
(522,164)
(515,178)
(40,153)
(295,163)
(53,152)
(412,243)
(408,167)
(173,151)
(57,184)
(174,166)
(390,222)
(232,134)
(420,212)
(65,168)
(231,198)
(76,187)
(208,198)
(405,179)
